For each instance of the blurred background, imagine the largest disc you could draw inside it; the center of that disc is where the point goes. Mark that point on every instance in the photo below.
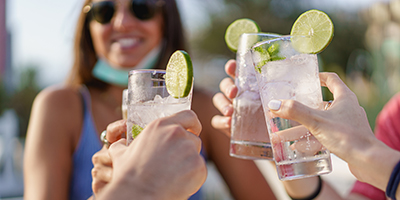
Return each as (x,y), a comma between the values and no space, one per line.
(36,51)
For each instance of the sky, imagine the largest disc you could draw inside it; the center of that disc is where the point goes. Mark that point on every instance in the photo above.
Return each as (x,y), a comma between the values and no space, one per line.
(42,30)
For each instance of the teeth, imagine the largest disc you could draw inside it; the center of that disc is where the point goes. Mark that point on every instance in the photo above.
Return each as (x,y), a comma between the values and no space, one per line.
(127,42)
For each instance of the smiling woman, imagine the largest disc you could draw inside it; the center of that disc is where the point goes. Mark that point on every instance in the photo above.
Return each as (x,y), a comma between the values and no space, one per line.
(111,38)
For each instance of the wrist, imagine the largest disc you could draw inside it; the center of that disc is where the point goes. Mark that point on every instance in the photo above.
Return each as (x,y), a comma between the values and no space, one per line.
(126,188)
(375,165)
(308,188)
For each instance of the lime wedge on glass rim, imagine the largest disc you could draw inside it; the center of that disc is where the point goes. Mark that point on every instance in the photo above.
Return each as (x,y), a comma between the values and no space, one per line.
(136,129)
(179,74)
(237,28)
(315,31)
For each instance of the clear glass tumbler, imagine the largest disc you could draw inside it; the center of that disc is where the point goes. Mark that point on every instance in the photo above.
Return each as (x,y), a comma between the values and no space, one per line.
(148,99)
(285,73)
(249,136)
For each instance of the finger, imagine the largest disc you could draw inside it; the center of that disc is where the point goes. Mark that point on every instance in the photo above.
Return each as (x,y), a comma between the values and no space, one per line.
(223,104)
(222,123)
(187,119)
(228,87)
(230,68)
(294,110)
(335,85)
(102,173)
(117,148)
(290,134)
(308,147)
(116,130)
(102,158)
(98,186)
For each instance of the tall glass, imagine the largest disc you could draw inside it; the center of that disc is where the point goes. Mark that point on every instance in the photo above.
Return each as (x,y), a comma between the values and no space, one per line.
(249,136)
(148,99)
(284,73)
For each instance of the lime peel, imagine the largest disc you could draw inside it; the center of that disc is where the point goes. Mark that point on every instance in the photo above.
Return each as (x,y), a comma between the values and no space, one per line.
(315,30)
(136,129)
(236,29)
(179,74)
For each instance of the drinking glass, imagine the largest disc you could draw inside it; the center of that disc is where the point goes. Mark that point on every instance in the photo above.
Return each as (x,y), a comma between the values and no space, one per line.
(285,73)
(249,136)
(148,99)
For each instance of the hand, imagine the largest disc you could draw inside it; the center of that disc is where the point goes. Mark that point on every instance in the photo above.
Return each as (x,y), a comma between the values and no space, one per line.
(102,165)
(102,170)
(163,162)
(343,128)
(223,102)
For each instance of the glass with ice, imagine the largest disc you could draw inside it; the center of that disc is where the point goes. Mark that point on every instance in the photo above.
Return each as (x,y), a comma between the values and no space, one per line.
(148,99)
(249,135)
(284,73)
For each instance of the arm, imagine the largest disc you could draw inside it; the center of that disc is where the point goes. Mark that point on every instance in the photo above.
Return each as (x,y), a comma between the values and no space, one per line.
(49,144)
(345,131)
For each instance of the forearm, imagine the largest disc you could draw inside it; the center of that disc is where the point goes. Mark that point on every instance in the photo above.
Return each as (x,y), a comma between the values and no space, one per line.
(303,188)
(375,165)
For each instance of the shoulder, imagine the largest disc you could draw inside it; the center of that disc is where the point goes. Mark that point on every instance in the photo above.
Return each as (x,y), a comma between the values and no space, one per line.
(58,98)
(391,110)
(387,128)
(59,105)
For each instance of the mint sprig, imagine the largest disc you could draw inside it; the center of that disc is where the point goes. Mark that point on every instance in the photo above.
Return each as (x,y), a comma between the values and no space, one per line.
(267,55)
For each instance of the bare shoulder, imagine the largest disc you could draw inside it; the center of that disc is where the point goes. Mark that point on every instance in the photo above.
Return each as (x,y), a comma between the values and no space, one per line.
(56,108)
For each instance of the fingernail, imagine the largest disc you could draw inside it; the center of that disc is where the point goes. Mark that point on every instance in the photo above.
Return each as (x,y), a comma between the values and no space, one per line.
(274,104)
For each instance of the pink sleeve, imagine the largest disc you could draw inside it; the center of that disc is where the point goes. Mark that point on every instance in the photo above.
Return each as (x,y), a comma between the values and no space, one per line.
(387,130)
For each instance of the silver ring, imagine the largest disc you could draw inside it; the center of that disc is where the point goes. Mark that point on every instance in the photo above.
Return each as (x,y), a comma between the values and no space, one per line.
(328,104)
(104,139)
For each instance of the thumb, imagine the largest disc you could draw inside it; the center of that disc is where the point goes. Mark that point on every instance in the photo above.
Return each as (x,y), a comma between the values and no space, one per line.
(296,111)
(117,148)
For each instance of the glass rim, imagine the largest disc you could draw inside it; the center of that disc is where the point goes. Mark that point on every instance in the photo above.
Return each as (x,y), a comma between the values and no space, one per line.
(283,37)
(144,71)
(264,34)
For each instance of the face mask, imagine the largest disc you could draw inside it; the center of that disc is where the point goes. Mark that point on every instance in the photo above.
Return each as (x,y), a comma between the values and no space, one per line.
(105,72)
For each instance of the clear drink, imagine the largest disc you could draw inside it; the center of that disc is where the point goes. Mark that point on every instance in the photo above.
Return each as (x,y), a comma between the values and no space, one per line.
(148,99)
(249,136)
(289,74)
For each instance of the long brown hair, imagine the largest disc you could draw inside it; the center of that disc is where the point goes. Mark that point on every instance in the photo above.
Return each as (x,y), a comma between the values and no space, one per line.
(85,56)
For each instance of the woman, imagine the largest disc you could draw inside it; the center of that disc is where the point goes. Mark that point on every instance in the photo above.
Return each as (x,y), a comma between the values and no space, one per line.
(343,129)
(113,37)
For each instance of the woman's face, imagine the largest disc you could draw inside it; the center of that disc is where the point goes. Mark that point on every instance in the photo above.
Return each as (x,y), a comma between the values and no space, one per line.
(125,40)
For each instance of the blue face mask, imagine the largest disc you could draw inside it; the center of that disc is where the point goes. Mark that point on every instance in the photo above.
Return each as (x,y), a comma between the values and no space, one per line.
(105,72)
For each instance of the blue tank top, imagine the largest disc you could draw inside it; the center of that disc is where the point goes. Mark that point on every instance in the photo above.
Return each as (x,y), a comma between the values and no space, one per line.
(89,143)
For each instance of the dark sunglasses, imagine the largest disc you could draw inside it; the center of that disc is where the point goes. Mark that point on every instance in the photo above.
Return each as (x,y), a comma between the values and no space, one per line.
(103,11)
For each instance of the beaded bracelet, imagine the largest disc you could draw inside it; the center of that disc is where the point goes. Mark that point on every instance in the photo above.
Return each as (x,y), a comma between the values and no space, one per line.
(313,195)
(393,183)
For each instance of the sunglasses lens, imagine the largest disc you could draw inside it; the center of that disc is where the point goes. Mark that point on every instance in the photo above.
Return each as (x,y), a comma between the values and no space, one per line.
(103,11)
(143,9)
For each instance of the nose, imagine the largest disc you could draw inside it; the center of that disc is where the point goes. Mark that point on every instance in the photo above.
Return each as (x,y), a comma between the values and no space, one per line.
(124,20)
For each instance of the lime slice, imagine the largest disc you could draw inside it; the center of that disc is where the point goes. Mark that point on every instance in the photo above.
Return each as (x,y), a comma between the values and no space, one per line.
(315,31)
(179,74)
(136,129)
(237,28)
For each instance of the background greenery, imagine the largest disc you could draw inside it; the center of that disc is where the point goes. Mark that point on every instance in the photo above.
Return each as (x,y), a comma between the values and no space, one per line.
(364,50)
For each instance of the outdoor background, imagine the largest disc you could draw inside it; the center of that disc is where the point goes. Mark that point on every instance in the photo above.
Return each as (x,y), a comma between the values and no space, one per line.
(365,52)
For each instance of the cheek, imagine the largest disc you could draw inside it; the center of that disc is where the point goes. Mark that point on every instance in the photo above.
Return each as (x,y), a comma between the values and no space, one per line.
(156,28)
(100,35)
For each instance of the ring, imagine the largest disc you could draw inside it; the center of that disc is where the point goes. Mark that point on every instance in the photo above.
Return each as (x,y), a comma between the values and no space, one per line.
(328,104)
(103,138)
